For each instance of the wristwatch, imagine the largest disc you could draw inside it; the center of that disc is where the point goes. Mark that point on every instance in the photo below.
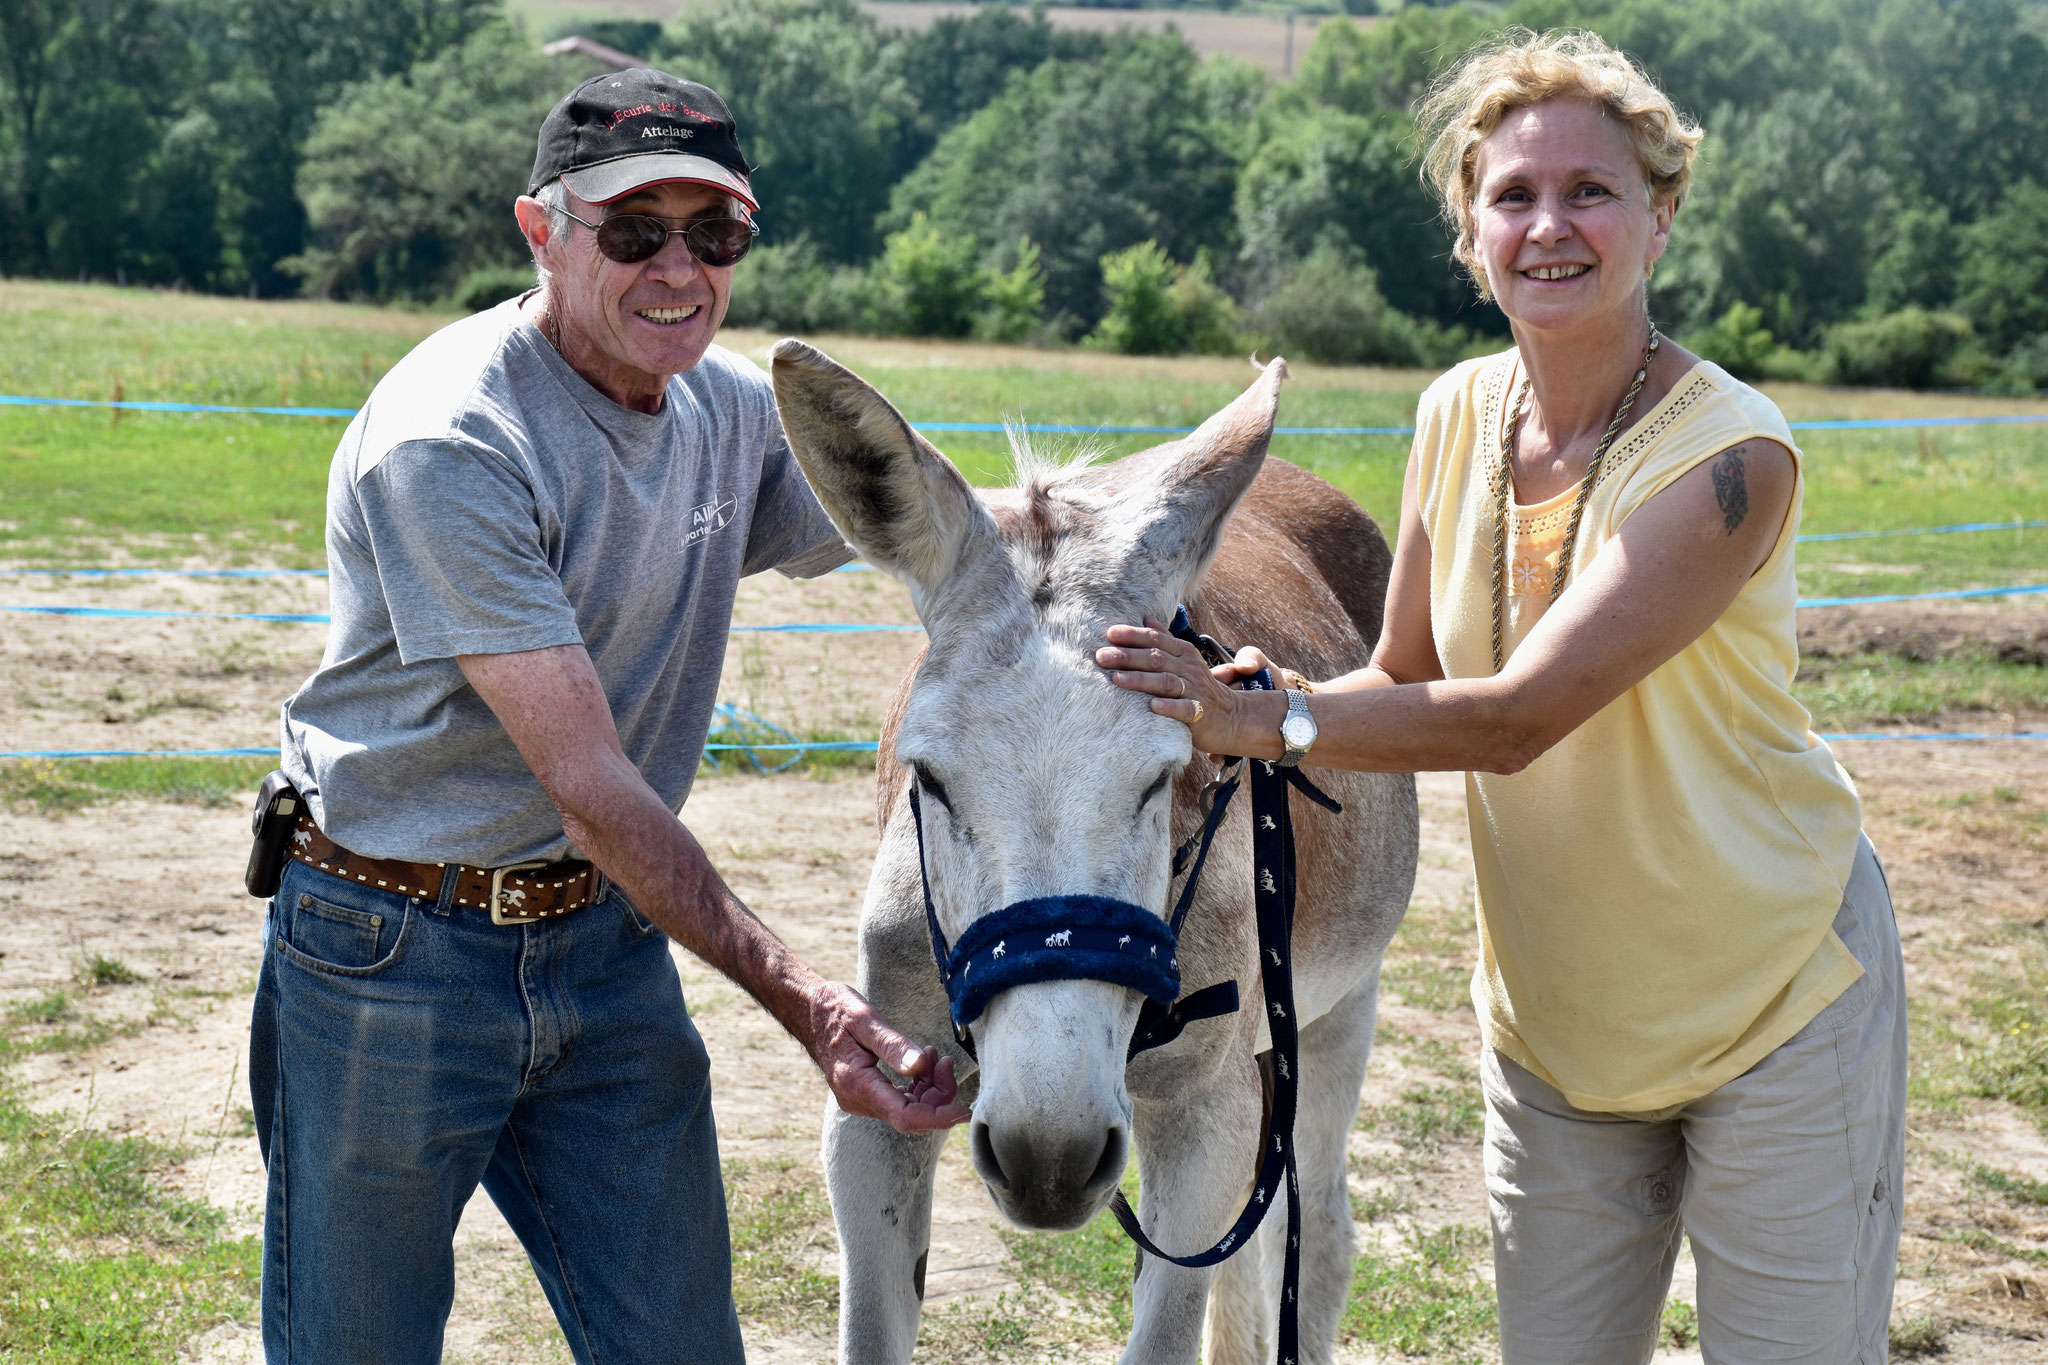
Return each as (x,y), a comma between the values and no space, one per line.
(1298,731)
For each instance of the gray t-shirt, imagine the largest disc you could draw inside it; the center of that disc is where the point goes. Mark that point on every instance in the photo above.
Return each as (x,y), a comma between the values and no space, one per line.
(488,500)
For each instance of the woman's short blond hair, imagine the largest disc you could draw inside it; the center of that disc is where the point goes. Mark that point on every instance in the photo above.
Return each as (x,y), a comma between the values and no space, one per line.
(1519,69)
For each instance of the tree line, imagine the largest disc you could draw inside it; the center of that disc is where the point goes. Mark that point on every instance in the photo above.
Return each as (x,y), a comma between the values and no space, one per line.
(1871,204)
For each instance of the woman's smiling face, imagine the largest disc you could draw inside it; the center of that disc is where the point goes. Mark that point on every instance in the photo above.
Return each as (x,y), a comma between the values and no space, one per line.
(1562,220)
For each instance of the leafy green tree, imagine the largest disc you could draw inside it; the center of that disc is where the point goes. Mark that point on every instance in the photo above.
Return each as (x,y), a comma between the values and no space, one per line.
(278,64)
(1141,319)
(1159,308)
(2002,279)
(961,63)
(1335,160)
(78,129)
(408,180)
(1086,159)
(789,285)
(1016,298)
(1780,217)
(1739,343)
(937,281)
(819,109)
(1328,308)
(1910,348)
(1916,267)
(1385,69)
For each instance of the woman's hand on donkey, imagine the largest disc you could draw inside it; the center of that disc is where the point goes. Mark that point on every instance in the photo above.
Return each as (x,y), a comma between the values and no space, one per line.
(1222,719)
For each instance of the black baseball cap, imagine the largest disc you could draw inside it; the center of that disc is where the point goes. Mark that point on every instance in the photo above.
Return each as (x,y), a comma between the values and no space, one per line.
(625,130)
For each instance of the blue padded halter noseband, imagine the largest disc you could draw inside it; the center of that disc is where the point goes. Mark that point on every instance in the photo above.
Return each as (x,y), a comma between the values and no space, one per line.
(1062,938)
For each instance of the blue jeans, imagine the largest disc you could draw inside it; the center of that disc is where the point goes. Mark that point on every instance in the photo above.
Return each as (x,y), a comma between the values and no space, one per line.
(402,1051)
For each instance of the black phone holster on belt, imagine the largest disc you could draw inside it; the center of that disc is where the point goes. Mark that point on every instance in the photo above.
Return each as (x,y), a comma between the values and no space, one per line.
(277,809)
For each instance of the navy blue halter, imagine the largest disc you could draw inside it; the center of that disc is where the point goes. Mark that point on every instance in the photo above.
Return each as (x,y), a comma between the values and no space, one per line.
(1067,938)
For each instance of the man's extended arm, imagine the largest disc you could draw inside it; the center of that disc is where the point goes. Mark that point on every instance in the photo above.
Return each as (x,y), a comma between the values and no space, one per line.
(553,707)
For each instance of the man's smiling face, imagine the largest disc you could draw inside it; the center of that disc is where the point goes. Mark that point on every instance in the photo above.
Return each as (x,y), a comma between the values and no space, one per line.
(629,328)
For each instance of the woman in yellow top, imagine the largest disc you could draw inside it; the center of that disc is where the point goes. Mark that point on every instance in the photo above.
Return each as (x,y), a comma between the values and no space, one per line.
(1689,985)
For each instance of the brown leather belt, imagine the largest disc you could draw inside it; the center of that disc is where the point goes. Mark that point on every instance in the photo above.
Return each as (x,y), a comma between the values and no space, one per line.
(517,894)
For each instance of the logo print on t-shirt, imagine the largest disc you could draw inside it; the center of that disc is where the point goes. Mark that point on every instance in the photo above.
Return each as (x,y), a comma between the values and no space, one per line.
(709,519)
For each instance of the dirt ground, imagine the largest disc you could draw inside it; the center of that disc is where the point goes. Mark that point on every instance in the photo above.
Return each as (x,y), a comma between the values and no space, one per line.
(1963,828)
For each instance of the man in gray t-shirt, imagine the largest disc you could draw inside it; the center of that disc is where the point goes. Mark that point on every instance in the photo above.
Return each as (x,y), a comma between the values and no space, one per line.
(536,527)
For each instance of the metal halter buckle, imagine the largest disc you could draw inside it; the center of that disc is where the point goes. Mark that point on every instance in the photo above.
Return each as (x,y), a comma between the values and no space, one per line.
(498,875)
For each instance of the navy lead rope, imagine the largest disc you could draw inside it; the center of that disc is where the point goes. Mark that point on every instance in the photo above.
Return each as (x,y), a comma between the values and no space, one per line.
(1273,898)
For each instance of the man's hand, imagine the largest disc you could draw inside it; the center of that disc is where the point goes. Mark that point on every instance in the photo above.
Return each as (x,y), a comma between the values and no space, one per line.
(850,1043)
(553,706)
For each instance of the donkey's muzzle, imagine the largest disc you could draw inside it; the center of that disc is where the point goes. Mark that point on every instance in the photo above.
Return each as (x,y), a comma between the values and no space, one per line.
(1050,1179)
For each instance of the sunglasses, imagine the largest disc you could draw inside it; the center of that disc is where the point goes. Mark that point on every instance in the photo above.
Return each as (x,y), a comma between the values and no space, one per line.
(629,238)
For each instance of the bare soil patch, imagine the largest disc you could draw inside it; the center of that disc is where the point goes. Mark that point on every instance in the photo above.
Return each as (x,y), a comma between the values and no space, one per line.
(2013,633)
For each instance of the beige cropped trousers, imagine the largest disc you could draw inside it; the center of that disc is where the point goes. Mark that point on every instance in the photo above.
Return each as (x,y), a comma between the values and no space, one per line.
(1787,1179)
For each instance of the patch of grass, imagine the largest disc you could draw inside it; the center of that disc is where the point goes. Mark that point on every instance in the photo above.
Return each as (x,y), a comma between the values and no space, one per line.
(1425,1301)
(49,1008)
(1091,1268)
(2011,1005)
(101,970)
(50,1022)
(2015,1187)
(1877,689)
(780,1221)
(1445,1059)
(1917,1338)
(1977,1239)
(1428,1115)
(1679,1327)
(1376,1206)
(1871,480)
(1429,962)
(1992,1043)
(59,786)
(98,1262)
(968,1331)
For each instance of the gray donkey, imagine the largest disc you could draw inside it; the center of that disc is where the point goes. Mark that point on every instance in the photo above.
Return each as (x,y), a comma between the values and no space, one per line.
(1039,777)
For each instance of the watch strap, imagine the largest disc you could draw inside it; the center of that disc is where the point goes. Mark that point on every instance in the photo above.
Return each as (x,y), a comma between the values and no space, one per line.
(1297,706)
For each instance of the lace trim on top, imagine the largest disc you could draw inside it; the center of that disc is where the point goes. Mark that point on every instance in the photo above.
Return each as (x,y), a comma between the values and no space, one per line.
(1536,532)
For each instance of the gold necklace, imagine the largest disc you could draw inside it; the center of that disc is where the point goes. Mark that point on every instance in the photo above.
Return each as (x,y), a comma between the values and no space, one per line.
(1503,484)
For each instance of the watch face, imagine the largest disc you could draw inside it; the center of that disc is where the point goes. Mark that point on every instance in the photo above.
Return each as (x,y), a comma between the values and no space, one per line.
(1298,731)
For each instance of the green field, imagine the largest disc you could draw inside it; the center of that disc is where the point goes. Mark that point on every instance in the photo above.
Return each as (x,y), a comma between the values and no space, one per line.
(83,487)
(249,489)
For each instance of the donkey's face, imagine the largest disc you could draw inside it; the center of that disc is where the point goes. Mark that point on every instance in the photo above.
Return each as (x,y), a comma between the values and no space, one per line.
(1037,776)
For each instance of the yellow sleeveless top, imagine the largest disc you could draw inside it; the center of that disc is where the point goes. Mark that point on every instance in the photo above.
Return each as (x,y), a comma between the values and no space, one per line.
(1655,893)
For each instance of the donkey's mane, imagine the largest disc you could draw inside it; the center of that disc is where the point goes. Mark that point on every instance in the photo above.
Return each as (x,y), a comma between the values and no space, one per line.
(1035,471)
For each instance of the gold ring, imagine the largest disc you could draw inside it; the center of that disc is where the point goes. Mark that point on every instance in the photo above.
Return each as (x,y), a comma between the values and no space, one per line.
(1197,720)
(1182,684)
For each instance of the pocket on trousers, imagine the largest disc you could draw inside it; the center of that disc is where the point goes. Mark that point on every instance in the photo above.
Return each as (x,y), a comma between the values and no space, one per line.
(637,924)
(339,939)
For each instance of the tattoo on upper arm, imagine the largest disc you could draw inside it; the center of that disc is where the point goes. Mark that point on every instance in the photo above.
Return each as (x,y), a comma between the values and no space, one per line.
(1730,490)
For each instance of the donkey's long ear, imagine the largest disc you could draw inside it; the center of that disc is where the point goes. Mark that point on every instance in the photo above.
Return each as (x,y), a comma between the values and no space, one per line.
(889,491)
(1180,512)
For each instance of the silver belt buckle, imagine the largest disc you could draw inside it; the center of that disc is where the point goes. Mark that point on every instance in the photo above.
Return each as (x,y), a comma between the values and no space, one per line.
(498,891)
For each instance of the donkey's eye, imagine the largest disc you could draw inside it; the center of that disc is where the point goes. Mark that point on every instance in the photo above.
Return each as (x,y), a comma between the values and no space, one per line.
(932,786)
(1158,786)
